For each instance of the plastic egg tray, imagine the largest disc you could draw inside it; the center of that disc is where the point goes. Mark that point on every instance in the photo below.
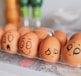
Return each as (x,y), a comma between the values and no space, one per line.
(44,59)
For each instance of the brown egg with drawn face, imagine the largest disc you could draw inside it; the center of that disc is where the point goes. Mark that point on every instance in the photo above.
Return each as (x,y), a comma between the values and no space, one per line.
(72,53)
(9,41)
(50,49)
(76,36)
(23,30)
(28,44)
(41,32)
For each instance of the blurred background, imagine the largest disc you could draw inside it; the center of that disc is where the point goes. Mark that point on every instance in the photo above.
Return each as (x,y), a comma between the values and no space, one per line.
(57,14)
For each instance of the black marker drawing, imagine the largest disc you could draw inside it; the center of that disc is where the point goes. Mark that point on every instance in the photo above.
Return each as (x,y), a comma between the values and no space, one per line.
(48,52)
(28,44)
(55,51)
(76,51)
(10,37)
(8,46)
(22,44)
(69,47)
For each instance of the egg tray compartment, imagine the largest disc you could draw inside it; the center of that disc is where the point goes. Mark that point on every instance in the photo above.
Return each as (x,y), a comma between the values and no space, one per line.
(44,60)
(8,58)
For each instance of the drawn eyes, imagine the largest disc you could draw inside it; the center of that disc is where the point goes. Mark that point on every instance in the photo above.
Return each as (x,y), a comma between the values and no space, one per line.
(4,39)
(22,44)
(69,47)
(10,38)
(48,52)
(76,51)
(28,44)
(55,51)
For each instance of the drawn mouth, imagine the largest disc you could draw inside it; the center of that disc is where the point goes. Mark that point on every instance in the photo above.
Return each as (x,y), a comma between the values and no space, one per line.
(8,47)
(25,53)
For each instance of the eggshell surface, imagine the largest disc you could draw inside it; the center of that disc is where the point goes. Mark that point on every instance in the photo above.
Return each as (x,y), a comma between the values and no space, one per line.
(76,36)
(28,44)
(72,53)
(1,33)
(41,32)
(23,30)
(9,41)
(61,36)
(50,50)
(8,27)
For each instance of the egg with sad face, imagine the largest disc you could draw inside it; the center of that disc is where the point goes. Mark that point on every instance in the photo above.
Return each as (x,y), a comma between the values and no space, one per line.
(50,50)
(72,53)
(9,41)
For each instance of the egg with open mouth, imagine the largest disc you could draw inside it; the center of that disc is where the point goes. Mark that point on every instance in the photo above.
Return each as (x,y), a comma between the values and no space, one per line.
(9,41)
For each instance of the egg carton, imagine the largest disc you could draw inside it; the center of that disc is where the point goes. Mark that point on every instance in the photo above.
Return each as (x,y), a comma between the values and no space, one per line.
(48,56)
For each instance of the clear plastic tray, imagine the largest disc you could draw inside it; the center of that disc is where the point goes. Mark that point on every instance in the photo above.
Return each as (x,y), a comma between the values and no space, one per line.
(50,31)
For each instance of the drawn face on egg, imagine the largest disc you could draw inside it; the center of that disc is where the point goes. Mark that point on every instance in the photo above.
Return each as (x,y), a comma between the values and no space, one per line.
(76,50)
(25,45)
(49,52)
(72,52)
(50,49)
(28,44)
(9,42)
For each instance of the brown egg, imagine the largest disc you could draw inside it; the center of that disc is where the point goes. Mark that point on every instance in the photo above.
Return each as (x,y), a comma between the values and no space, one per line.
(72,53)
(9,27)
(28,44)
(23,30)
(41,32)
(50,49)
(76,36)
(1,33)
(9,41)
(61,36)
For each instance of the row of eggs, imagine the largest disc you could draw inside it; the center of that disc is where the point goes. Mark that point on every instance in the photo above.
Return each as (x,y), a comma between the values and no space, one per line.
(39,43)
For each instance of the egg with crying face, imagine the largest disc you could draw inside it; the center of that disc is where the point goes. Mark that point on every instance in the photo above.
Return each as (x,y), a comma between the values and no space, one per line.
(72,53)
(28,44)
(50,50)
(9,42)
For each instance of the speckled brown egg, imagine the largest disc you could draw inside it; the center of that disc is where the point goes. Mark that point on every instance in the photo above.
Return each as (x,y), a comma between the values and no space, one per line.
(76,36)
(41,32)
(28,44)
(61,36)
(71,54)
(50,50)
(9,41)
(23,30)
(8,27)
